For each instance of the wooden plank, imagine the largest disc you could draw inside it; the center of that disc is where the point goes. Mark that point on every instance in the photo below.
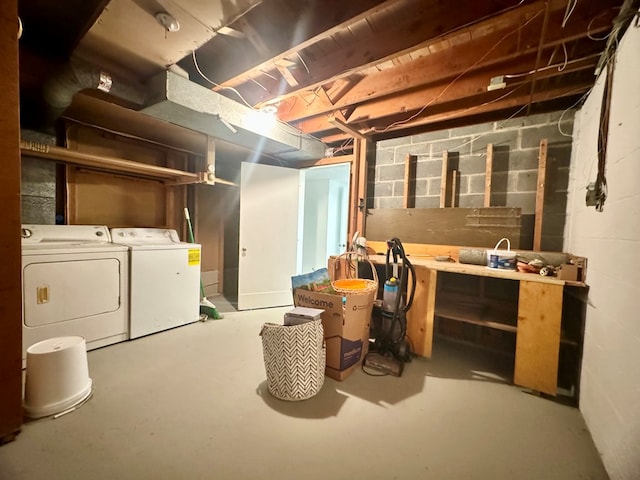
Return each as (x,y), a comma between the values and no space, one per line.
(471,87)
(418,249)
(326,161)
(420,316)
(362,150)
(323,27)
(10,280)
(448,63)
(209,225)
(88,190)
(444,178)
(542,174)
(338,121)
(378,46)
(408,198)
(445,226)
(488,174)
(126,122)
(454,188)
(483,104)
(454,312)
(538,337)
(104,163)
(287,75)
(478,270)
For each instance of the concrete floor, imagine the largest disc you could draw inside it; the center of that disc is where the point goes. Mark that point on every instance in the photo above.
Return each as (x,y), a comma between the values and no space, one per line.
(192,403)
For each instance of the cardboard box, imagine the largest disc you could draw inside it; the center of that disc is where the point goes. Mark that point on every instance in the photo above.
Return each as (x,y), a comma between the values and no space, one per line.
(345,321)
(567,272)
(300,315)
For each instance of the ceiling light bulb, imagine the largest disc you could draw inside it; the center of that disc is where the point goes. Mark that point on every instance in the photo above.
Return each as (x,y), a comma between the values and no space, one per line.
(169,23)
(269,109)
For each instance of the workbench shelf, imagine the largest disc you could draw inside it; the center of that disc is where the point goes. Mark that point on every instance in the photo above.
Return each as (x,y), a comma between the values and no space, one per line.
(488,308)
(475,314)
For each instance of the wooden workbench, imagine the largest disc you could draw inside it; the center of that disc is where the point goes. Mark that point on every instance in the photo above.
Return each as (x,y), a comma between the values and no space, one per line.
(538,321)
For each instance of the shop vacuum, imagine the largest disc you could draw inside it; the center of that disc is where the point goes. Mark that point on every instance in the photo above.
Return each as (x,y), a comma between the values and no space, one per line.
(389,349)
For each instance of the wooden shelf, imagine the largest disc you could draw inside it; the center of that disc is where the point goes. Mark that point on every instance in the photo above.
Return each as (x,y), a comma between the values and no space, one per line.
(475,314)
(48,152)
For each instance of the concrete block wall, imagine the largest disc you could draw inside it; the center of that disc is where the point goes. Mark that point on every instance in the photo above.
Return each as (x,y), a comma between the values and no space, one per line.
(38,184)
(610,380)
(516,145)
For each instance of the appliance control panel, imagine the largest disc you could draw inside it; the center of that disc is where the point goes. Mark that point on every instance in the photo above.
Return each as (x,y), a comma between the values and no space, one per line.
(145,236)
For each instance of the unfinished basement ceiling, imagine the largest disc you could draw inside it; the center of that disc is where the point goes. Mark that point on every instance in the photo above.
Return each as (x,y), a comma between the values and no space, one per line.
(361,68)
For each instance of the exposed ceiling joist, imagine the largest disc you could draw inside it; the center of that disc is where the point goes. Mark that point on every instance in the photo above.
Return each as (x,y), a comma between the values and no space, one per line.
(445,64)
(362,68)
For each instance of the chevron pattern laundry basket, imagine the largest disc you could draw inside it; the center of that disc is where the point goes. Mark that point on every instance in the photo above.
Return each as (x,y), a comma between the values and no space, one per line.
(294,359)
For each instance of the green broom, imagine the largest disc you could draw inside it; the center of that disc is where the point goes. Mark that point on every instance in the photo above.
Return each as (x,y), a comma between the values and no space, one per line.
(206,307)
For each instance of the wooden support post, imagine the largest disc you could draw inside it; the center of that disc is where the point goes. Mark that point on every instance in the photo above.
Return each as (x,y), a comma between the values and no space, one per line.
(542,174)
(444,179)
(488,175)
(409,198)
(10,280)
(358,188)
(421,315)
(454,187)
(363,152)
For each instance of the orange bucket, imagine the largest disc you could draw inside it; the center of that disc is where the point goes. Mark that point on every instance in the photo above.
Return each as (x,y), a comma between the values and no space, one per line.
(350,284)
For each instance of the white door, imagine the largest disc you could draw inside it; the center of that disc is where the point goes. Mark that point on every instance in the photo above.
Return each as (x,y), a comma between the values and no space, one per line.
(269,235)
(326,205)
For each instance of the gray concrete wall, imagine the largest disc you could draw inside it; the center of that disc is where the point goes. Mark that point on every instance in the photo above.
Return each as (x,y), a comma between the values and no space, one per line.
(610,385)
(38,183)
(515,169)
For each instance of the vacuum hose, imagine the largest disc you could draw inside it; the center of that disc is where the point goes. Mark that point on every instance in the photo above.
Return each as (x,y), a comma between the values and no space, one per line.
(404,299)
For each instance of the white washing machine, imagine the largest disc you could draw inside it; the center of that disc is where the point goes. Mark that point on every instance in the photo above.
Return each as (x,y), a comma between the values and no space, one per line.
(164,275)
(74,282)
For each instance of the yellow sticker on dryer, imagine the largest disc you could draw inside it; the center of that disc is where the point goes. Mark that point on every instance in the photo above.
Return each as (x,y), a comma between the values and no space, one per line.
(194,256)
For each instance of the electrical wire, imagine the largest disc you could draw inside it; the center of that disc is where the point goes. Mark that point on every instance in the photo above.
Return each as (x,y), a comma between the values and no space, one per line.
(259,84)
(585,95)
(344,145)
(279,124)
(195,63)
(560,66)
(303,63)
(566,57)
(272,77)
(434,99)
(568,12)
(599,39)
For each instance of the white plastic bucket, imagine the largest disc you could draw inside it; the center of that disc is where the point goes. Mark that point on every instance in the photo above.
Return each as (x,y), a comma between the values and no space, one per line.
(57,376)
(502,259)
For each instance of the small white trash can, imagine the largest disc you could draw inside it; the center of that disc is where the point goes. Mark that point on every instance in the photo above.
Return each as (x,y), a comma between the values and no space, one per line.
(57,376)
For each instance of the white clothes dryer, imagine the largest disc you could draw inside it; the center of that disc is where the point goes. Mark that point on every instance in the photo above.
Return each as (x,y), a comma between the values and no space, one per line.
(74,283)
(164,277)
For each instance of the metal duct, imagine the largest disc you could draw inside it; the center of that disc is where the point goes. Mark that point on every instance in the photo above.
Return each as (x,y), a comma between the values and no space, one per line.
(182,102)
(59,89)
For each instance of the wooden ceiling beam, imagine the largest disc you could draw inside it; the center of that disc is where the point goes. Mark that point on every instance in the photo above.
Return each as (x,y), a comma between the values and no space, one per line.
(505,102)
(319,26)
(443,93)
(447,64)
(338,121)
(421,22)
(499,103)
